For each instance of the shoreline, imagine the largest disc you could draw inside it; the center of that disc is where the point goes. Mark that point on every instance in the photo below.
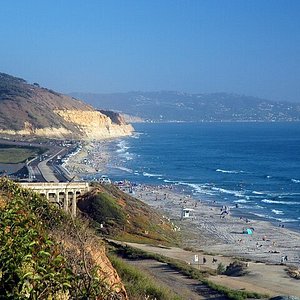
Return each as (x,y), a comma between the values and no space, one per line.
(205,230)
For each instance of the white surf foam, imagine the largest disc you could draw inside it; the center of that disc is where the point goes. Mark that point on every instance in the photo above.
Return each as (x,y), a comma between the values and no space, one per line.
(286,220)
(127,156)
(277,212)
(229,171)
(241,201)
(230,192)
(136,135)
(263,216)
(257,193)
(295,180)
(123,146)
(198,188)
(170,181)
(151,175)
(123,169)
(280,202)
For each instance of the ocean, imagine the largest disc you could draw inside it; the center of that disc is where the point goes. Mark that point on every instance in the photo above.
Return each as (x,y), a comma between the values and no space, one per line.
(255,166)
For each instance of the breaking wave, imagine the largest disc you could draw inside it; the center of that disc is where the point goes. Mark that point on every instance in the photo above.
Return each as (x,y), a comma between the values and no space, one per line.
(277,212)
(280,202)
(151,175)
(230,192)
(229,171)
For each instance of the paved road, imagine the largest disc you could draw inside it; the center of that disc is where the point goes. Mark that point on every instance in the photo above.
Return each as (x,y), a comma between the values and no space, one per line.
(46,171)
(45,168)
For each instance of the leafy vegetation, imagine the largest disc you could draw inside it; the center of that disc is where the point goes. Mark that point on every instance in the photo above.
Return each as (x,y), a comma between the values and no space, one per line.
(221,269)
(138,284)
(35,262)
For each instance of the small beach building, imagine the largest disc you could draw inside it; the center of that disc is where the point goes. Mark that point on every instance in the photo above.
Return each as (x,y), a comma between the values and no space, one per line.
(186,213)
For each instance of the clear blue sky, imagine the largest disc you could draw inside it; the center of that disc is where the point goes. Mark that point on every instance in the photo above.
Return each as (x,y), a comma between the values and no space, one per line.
(246,47)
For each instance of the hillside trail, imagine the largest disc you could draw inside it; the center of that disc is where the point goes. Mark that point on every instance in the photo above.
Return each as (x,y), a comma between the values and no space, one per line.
(182,286)
(262,278)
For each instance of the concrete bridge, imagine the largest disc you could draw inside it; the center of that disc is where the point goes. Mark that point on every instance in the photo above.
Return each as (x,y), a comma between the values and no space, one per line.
(64,194)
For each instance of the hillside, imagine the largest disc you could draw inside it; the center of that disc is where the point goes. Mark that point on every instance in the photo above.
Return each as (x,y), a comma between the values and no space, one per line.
(168,106)
(126,218)
(29,110)
(44,254)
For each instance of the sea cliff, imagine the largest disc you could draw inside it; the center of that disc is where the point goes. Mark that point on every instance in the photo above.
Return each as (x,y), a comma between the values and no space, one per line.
(30,111)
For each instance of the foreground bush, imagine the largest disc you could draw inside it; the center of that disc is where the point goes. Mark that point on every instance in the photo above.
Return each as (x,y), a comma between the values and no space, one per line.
(33,264)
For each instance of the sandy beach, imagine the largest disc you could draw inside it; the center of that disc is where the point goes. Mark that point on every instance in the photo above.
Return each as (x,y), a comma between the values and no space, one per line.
(91,159)
(211,233)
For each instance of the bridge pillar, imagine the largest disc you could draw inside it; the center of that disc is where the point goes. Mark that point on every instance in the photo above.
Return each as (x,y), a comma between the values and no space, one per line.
(66,202)
(74,205)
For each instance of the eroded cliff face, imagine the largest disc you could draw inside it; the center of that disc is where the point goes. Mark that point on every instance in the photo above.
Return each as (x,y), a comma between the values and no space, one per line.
(94,125)
(86,125)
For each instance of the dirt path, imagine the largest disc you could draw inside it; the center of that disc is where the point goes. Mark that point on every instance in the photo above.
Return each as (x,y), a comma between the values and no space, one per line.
(262,278)
(186,288)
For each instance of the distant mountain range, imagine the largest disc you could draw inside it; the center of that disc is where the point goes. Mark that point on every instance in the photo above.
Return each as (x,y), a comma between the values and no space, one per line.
(168,106)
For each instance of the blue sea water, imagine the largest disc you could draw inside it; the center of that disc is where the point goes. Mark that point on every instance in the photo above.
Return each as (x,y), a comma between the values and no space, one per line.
(254,165)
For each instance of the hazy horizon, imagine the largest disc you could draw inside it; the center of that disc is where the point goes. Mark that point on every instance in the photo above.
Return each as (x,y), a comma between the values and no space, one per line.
(243,47)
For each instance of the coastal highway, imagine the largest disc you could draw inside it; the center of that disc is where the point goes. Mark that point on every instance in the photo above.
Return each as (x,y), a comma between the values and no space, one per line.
(46,167)
(46,171)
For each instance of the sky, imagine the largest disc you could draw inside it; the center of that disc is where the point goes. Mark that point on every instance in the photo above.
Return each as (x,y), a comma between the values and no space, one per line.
(249,47)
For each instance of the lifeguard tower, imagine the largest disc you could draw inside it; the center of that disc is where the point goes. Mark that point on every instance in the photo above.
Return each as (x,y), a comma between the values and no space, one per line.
(186,213)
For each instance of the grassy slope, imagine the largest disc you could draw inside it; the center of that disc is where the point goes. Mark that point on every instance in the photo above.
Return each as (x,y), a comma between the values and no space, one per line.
(127,218)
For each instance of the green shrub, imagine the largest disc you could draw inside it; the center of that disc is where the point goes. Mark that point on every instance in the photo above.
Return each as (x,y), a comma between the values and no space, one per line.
(221,269)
